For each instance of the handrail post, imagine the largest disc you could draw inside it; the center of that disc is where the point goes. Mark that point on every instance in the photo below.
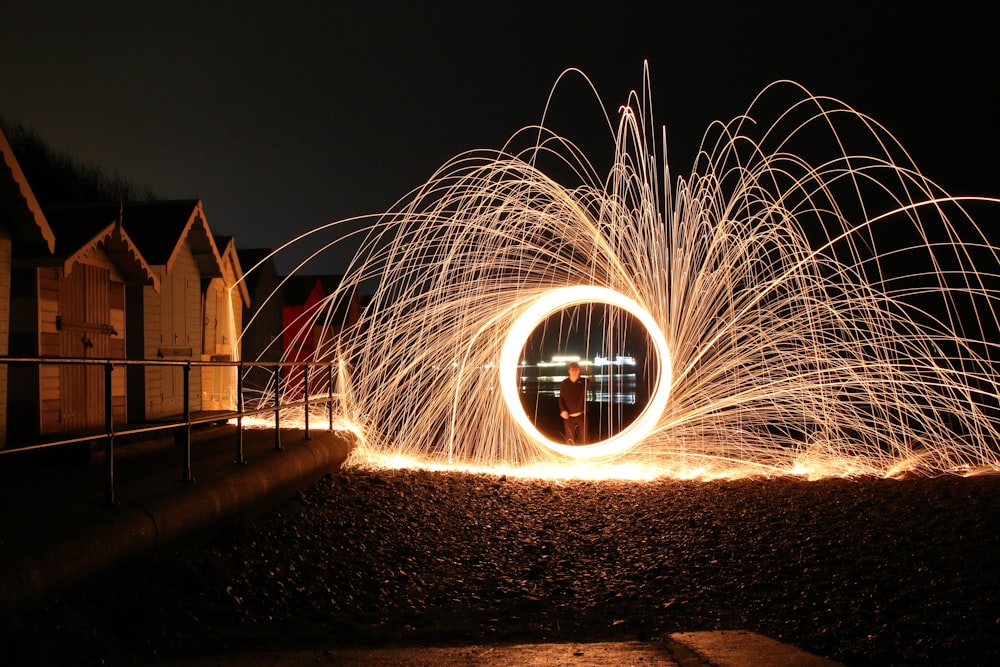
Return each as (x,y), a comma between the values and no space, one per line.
(109,445)
(305,392)
(188,477)
(277,409)
(329,397)
(239,414)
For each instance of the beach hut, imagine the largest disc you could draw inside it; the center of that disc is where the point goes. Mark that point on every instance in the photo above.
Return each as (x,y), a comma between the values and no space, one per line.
(225,297)
(176,241)
(22,223)
(71,305)
(311,325)
(261,336)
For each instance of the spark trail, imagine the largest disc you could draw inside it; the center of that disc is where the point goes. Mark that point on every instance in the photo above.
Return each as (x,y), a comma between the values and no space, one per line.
(824,308)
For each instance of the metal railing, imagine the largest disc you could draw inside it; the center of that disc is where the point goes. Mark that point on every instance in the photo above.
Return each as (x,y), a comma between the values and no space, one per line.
(182,426)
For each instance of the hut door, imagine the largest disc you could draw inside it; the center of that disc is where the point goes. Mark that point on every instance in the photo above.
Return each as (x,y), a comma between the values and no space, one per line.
(84,333)
(174,342)
(219,382)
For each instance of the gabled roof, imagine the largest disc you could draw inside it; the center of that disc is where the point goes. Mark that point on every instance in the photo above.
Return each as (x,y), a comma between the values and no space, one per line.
(27,223)
(296,288)
(255,261)
(227,250)
(76,237)
(158,229)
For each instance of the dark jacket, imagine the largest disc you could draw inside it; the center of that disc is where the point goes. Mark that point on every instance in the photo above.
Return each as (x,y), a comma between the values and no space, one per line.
(573,395)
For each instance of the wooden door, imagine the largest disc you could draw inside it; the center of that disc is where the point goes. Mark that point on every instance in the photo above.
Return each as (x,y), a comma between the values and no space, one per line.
(84,326)
(174,345)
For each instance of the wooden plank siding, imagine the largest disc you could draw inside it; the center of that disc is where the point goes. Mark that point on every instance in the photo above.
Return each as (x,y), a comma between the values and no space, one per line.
(23,229)
(213,397)
(223,324)
(48,346)
(116,350)
(23,405)
(219,382)
(85,321)
(172,331)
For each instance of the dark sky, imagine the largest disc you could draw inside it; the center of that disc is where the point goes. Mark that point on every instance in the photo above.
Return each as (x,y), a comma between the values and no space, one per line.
(282,116)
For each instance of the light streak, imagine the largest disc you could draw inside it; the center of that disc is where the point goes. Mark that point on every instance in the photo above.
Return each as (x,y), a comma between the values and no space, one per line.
(817,306)
(551,302)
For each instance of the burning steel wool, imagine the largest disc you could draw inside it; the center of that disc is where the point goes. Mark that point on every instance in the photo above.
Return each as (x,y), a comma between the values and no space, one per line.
(803,302)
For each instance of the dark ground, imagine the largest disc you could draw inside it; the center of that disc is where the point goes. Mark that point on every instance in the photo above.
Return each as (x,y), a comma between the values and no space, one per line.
(866,572)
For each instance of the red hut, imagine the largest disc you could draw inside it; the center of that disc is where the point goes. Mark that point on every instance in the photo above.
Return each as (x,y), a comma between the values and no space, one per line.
(310,325)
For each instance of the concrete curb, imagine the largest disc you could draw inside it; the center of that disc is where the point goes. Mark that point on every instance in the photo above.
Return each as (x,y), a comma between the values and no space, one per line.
(157,518)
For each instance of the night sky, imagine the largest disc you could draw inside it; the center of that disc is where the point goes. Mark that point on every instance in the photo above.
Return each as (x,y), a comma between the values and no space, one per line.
(284,116)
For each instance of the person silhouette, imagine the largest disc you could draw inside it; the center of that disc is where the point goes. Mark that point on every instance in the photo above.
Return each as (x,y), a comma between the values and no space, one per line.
(573,405)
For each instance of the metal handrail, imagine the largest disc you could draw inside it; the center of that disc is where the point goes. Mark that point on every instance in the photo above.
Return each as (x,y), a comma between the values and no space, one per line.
(187,421)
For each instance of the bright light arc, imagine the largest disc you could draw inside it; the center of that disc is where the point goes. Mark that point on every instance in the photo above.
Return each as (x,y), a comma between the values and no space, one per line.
(829,310)
(551,302)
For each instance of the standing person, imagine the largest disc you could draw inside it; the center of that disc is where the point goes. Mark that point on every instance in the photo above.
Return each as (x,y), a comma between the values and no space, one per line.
(573,406)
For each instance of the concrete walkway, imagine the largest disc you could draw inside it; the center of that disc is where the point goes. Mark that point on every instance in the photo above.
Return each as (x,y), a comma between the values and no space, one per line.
(59,530)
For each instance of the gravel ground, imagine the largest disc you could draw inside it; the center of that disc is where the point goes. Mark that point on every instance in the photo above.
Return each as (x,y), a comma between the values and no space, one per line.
(866,572)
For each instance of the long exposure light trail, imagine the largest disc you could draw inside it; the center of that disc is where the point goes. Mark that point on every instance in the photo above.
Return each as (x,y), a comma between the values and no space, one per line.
(814,304)
(548,303)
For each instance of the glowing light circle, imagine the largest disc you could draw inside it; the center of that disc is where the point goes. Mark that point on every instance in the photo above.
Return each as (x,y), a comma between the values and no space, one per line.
(549,303)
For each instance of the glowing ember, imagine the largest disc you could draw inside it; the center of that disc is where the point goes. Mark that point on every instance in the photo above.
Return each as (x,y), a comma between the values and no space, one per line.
(814,305)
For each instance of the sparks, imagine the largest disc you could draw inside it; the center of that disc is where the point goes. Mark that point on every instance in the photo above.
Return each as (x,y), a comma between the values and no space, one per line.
(815,305)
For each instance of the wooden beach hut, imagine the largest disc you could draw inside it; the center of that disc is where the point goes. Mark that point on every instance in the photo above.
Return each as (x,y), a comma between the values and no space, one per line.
(168,325)
(72,305)
(261,336)
(224,300)
(310,326)
(22,223)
